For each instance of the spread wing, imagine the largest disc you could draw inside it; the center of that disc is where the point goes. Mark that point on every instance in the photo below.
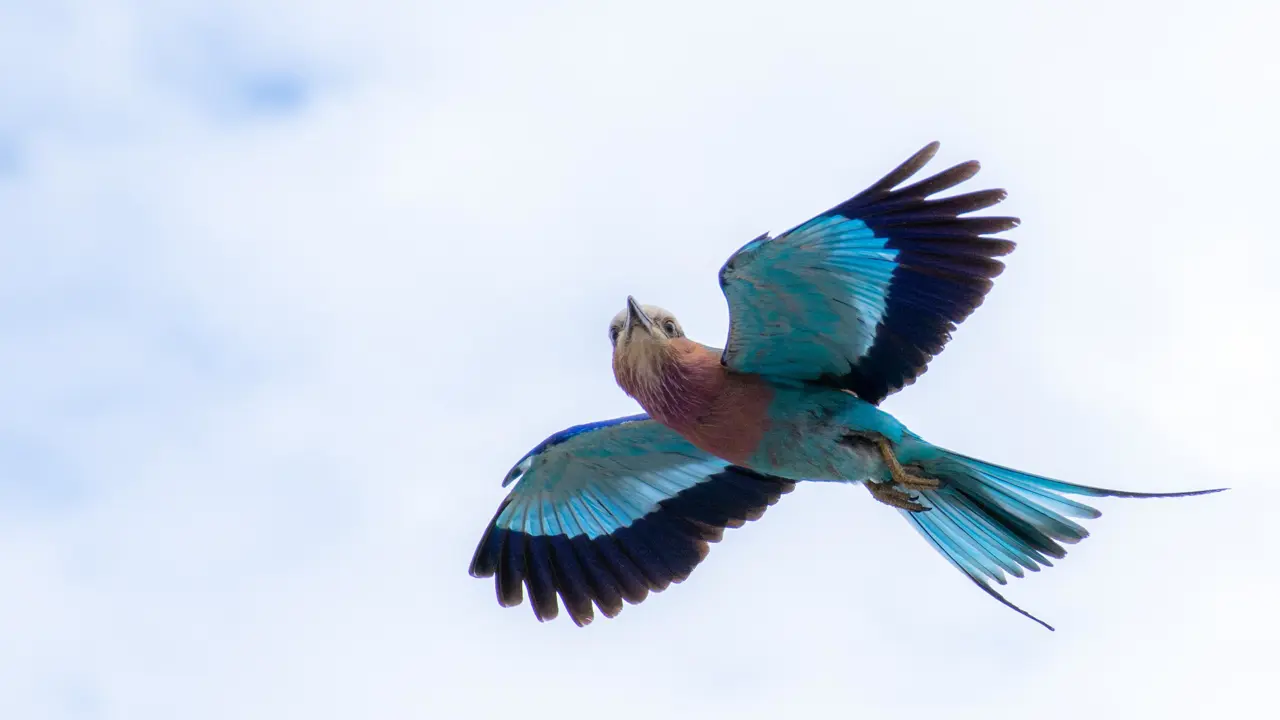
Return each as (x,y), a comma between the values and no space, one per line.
(864,295)
(606,512)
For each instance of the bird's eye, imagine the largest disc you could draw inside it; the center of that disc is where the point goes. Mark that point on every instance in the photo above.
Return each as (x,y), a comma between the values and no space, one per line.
(670,327)
(613,334)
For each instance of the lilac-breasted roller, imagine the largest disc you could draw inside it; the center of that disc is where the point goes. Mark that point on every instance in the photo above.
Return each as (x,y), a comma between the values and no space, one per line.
(826,320)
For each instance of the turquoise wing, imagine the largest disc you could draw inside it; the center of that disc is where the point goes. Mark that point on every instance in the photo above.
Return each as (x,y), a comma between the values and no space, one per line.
(864,295)
(605,512)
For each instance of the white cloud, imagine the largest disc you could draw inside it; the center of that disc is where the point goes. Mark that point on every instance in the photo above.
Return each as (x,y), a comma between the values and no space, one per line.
(274,360)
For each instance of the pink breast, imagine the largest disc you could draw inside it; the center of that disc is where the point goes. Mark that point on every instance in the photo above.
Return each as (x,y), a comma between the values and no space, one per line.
(737,421)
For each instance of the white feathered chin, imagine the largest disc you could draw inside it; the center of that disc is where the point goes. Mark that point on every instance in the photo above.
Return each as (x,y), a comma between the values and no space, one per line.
(646,359)
(640,361)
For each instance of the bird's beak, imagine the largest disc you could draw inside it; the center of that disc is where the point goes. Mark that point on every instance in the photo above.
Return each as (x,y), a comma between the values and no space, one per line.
(636,317)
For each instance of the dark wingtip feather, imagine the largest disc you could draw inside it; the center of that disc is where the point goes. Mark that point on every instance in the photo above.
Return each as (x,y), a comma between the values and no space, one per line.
(998,195)
(940,210)
(944,180)
(511,569)
(484,563)
(988,225)
(539,579)
(908,168)
(571,581)
(631,582)
(634,544)
(1002,247)
(605,589)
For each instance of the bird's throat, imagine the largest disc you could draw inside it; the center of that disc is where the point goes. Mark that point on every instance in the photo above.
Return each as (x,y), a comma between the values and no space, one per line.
(674,384)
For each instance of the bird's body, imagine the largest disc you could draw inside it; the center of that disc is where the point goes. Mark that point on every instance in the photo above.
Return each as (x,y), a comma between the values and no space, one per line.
(819,434)
(795,431)
(826,320)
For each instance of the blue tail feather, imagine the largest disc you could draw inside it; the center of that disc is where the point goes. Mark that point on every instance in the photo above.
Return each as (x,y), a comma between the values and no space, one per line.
(989,520)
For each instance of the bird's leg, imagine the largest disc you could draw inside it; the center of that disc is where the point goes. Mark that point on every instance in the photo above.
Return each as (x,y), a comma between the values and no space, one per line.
(889,493)
(899,473)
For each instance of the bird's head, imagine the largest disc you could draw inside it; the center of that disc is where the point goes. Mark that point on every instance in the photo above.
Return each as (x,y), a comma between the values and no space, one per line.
(642,338)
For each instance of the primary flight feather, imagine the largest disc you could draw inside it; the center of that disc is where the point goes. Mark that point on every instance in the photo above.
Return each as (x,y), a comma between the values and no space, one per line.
(826,320)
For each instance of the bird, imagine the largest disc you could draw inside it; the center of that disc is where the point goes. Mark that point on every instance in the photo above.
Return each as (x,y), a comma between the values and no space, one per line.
(826,320)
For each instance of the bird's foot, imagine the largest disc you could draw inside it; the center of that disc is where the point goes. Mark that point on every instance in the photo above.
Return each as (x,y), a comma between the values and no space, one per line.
(890,495)
(899,474)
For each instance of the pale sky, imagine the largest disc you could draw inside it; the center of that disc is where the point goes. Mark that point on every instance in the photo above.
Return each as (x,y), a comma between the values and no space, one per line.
(287,287)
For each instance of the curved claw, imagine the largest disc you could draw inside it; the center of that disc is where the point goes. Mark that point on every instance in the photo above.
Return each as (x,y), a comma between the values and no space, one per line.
(890,495)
